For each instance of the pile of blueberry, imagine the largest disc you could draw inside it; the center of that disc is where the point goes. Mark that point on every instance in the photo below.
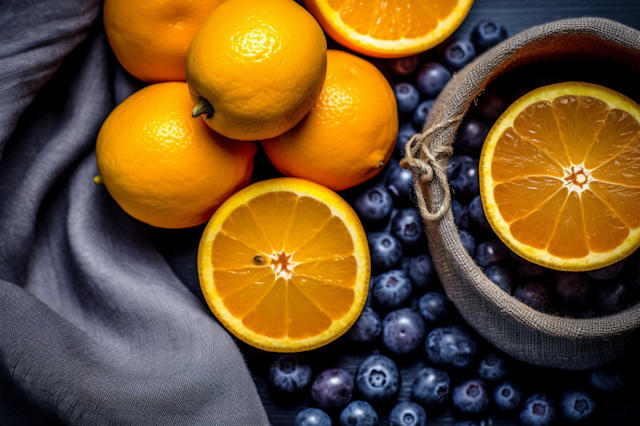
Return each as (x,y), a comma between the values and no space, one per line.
(408,323)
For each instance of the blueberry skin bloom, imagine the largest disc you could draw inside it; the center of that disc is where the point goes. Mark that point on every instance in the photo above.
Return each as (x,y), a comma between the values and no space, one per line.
(405,132)
(462,175)
(468,241)
(471,396)
(431,79)
(471,135)
(421,113)
(491,252)
(359,413)
(431,386)
(333,388)
(487,33)
(533,294)
(492,368)
(392,289)
(403,331)
(458,54)
(507,396)
(451,347)
(289,373)
(502,276)
(577,405)
(385,249)
(366,328)
(312,417)
(373,205)
(400,184)
(407,97)
(407,227)
(422,271)
(377,378)
(434,307)
(538,410)
(407,413)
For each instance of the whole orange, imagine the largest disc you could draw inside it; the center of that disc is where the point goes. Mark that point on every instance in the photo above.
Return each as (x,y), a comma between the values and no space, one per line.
(164,167)
(350,132)
(150,38)
(255,67)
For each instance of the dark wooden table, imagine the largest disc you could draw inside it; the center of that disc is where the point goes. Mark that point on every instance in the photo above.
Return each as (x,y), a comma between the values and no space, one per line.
(622,409)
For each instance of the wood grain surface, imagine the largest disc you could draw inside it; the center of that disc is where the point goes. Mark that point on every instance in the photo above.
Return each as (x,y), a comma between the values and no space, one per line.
(180,248)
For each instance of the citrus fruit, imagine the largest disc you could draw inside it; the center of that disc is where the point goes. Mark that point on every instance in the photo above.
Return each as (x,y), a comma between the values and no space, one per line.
(151,38)
(284,265)
(560,176)
(350,132)
(255,67)
(390,28)
(164,167)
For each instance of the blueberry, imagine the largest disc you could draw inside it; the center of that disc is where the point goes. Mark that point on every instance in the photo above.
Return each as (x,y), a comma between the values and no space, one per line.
(432,78)
(407,227)
(421,270)
(451,346)
(471,396)
(385,251)
(403,66)
(468,241)
(421,113)
(392,289)
(289,372)
(312,417)
(366,328)
(407,413)
(608,378)
(502,276)
(538,410)
(613,296)
(577,405)
(608,272)
(491,105)
(405,132)
(572,289)
(462,175)
(477,218)
(332,389)
(526,270)
(400,184)
(456,209)
(492,368)
(359,413)
(431,386)
(465,219)
(486,34)
(491,252)
(533,294)
(378,378)
(471,135)
(458,53)
(467,423)
(373,205)
(507,396)
(434,307)
(403,331)
(407,97)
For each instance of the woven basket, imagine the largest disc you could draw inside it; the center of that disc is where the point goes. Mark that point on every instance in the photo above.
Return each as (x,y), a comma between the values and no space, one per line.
(515,328)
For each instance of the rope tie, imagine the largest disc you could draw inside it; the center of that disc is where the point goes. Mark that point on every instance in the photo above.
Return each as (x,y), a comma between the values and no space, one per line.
(425,163)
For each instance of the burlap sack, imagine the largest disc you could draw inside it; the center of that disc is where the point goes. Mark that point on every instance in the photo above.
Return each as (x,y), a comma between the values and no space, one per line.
(515,328)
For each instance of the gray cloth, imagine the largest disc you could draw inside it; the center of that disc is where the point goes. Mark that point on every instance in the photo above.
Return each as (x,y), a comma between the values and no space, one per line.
(95,327)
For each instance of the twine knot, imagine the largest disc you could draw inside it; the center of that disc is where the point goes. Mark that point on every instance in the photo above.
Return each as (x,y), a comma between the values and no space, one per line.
(426,164)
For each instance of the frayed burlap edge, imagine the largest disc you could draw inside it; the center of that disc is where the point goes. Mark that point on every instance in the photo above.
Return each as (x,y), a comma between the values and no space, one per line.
(515,328)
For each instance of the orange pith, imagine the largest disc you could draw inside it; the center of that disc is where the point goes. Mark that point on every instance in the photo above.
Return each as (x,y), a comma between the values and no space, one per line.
(390,28)
(284,266)
(560,176)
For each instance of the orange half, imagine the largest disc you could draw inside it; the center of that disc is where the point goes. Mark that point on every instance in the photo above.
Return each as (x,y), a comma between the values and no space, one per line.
(284,265)
(560,176)
(389,28)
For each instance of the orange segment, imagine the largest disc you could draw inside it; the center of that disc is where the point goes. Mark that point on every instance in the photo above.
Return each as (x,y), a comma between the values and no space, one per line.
(284,265)
(389,28)
(560,176)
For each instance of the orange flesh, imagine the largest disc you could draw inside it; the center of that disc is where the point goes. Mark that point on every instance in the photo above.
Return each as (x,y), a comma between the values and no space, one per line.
(393,19)
(284,265)
(567,176)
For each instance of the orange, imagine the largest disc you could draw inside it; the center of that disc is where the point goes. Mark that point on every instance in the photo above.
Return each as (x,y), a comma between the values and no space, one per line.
(349,134)
(150,38)
(255,67)
(389,28)
(284,265)
(560,176)
(164,167)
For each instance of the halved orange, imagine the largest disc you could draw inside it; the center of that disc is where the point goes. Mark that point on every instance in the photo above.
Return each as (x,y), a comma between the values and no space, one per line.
(389,28)
(560,176)
(284,265)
